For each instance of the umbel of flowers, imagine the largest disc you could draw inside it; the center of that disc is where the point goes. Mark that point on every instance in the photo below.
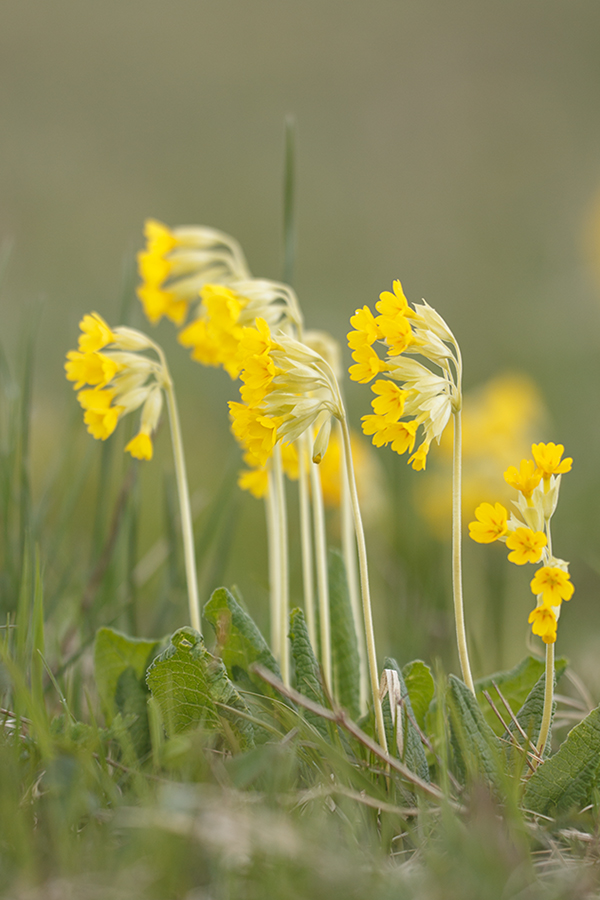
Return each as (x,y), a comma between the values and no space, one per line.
(114,376)
(527,534)
(416,399)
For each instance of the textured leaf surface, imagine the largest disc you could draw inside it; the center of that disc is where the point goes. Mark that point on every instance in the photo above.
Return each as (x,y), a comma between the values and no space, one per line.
(307,669)
(515,684)
(421,688)
(344,646)
(239,640)
(531,713)
(413,754)
(566,779)
(476,747)
(188,682)
(120,664)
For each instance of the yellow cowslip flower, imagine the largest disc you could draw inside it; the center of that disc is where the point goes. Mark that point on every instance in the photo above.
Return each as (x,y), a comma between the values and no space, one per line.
(255,481)
(397,333)
(121,380)
(215,335)
(553,584)
(257,376)
(524,479)
(402,436)
(543,622)
(548,460)
(368,365)
(394,304)
(526,546)
(419,459)
(492,523)
(90,368)
(366,328)
(255,431)
(95,333)
(390,400)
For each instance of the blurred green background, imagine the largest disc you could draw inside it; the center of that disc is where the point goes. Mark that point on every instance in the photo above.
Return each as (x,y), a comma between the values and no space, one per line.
(453,145)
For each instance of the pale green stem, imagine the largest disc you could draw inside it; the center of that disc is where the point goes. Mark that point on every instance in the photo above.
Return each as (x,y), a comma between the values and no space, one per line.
(322,573)
(548,700)
(459,614)
(272,516)
(306,538)
(284,661)
(349,551)
(184,504)
(364,583)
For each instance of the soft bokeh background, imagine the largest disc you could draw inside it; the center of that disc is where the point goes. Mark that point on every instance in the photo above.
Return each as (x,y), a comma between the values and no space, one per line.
(454,145)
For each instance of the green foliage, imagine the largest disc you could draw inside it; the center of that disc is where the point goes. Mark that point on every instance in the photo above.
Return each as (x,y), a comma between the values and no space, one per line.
(421,688)
(476,747)
(120,664)
(344,643)
(529,717)
(307,670)
(403,734)
(565,780)
(515,685)
(191,688)
(239,642)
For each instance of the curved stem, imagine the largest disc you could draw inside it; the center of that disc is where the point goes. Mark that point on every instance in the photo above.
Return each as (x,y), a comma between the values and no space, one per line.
(459,615)
(184,506)
(364,583)
(548,700)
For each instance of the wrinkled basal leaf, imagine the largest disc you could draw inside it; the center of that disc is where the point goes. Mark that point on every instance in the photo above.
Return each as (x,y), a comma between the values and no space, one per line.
(565,780)
(308,682)
(421,688)
(239,641)
(188,683)
(476,747)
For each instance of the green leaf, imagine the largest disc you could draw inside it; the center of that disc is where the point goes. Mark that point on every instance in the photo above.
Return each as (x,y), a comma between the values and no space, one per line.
(515,684)
(413,754)
(307,670)
(120,664)
(239,642)
(566,780)
(531,713)
(476,747)
(344,643)
(189,684)
(421,688)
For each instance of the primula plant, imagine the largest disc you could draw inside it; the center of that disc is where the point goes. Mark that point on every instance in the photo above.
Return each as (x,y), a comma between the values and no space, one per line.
(306,734)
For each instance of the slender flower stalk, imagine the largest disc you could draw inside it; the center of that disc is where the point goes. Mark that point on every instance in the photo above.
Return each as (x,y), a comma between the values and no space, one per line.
(283,589)
(305,538)
(117,378)
(273,536)
(457,591)
(322,574)
(548,701)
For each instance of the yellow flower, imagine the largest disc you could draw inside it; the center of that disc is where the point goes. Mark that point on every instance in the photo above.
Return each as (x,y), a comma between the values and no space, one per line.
(394,304)
(368,365)
(158,302)
(161,239)
(255,481)
(553,584)
(492,523)
(90,368)
(397,333)
(525,479)
(367,331)
(543,621)
(96,333)
(100,416)
(140,446)
(256,432)
(390,400)
(419,459)
(526,545)
(548,459)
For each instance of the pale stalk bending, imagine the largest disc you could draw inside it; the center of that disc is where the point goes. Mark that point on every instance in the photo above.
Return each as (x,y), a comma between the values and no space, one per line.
(184,504)
(459,614)
(548,700)
(284,661)
(364,583)
(322,574)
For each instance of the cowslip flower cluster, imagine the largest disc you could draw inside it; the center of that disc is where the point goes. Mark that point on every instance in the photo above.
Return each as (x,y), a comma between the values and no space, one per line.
(113,378)
(428,394)
(288,388)
(527,534)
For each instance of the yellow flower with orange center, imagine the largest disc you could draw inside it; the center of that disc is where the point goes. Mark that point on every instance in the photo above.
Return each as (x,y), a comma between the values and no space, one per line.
(543,622)
(526,546)
(553,584)
(525,479)
(491,524)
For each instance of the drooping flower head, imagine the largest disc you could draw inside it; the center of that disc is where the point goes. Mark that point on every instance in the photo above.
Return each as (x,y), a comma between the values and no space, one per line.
(431,389)
(118,378)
